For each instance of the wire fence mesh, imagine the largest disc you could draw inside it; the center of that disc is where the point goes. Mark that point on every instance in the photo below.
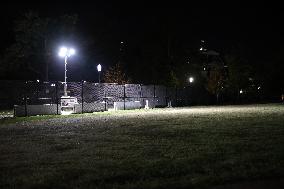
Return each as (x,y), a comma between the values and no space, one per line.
(37,98)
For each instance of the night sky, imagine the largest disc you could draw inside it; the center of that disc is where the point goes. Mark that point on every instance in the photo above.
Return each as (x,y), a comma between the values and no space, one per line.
(256,28)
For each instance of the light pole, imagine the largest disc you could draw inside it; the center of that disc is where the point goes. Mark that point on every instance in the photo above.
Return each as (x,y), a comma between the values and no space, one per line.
(99,68)
(66,53)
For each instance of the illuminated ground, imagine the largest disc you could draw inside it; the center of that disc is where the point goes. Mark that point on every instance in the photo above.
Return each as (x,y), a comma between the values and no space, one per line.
(161,148)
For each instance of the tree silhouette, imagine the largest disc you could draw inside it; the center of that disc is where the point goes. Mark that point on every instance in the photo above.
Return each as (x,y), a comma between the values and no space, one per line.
(115,74)
(215,82)
(239,73)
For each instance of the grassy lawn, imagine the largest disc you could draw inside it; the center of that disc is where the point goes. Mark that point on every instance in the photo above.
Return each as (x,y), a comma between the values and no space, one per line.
(196,147)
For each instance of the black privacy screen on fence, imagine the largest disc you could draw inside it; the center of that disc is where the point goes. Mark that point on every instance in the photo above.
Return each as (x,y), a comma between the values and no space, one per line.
(40,98)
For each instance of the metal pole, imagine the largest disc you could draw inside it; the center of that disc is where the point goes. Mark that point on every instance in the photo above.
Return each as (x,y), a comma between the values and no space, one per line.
(141,99)
(176,94)
(166,97)
(105,99)
(65,77)
(154,103)
(82,96)
(99,77)
(124,97)
(26,109)
(56,90)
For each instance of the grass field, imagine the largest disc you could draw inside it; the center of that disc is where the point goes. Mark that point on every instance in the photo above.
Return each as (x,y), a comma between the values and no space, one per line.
(196,147)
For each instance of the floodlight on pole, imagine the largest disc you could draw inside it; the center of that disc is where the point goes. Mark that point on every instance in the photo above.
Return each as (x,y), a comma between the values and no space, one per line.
(99,68)
(66,53)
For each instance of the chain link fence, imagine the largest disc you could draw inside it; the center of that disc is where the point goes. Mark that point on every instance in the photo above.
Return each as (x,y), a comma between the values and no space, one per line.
(41,98)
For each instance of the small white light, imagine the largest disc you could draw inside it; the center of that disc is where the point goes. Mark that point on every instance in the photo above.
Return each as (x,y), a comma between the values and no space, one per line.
(121,42)
(37,80)
(52,85)
(258,87)
(201,49)
(241,91)
(99,68)
(191,79)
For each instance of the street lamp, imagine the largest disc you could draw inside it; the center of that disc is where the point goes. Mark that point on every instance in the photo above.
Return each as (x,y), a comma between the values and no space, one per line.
(66,53)
(191,79)
(99,68)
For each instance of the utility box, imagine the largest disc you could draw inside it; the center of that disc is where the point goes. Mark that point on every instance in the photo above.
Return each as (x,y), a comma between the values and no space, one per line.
(68,104)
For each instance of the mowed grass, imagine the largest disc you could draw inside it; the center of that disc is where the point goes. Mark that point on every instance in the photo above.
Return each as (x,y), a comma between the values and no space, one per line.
(196,147)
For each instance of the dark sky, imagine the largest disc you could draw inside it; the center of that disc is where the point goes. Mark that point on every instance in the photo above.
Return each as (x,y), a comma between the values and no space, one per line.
(257,28)
(257,25)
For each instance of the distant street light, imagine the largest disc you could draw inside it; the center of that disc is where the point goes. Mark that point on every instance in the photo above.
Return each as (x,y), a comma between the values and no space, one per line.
(202,46)
(66,53)
(191,79)
(99,68)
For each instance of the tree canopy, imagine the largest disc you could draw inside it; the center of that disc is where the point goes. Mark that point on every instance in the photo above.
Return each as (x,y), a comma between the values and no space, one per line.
(115,74)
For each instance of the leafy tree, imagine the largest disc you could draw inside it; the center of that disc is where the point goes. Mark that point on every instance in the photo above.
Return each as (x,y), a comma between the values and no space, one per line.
(239,73)
(115,74)
(173,80)
(213,72)
(215,82)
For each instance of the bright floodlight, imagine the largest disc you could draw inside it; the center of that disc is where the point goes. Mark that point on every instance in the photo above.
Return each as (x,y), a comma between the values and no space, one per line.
(71,51)
(99,68)
(63,52)
(191,79)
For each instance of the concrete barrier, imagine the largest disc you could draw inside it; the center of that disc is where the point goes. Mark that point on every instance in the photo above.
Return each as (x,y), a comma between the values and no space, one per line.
(129,105)
(46,109)
(51,109)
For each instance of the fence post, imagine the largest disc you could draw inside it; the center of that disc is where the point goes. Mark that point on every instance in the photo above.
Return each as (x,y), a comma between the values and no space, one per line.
(56,98)
(166,97)
(124,97)
(176,94)
(154,101)
(26,109)
(141,95)
(105,98)
(82,95)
